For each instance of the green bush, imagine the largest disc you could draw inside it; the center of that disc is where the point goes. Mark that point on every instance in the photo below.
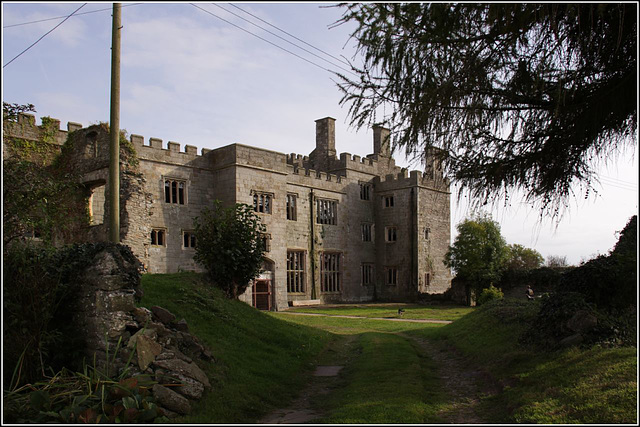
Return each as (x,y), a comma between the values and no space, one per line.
(489,294)
(615,328)
(40,291)
(608,281)
(230,245)
(89,396)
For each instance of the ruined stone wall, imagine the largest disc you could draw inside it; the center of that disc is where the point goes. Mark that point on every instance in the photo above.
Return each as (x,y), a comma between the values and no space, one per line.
(155,341)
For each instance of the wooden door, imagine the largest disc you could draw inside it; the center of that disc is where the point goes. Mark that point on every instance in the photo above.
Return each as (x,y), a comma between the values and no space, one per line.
(262,294)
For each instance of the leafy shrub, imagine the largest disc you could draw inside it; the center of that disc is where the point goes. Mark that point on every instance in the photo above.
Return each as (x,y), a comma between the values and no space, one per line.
(548,328)
(608,281)
(90,396)
(489,294)
(40,289)
(229,246)
(615,328)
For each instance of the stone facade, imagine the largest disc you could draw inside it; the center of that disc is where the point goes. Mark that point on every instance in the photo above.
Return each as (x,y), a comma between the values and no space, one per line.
(340,228)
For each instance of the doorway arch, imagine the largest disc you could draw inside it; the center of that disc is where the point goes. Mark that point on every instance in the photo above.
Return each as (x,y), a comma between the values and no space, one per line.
(263,285)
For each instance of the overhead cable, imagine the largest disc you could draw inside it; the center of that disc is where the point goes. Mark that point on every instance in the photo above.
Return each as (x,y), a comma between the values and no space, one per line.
(60,17)
(291,35)
(282,38)
(263,39)
(34,43)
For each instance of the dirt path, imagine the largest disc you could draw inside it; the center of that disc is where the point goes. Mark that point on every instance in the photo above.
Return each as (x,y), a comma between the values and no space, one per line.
(464,384)
(325,379)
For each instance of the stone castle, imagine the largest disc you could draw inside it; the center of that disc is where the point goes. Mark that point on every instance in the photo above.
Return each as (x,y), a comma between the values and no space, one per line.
(339,229)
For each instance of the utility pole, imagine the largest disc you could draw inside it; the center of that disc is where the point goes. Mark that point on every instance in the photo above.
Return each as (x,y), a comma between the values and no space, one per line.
(114,125)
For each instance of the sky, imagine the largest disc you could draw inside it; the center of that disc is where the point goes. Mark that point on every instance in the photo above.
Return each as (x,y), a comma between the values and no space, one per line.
(199,75)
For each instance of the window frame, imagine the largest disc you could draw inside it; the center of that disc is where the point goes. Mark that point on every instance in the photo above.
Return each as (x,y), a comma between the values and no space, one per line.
(366,231)
(156,232)
(391,234)
(262,200)
(328,214)
(296,277)
(173,193)
(391,276)
(367,273)
(192,239)
(292,206)
(266,237)
(331,279)
(365,190)
(388,201)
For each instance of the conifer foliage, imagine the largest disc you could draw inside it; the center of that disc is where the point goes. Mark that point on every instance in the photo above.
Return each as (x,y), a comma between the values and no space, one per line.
(521,96)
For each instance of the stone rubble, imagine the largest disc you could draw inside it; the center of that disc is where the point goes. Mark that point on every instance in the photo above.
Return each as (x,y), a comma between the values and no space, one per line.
(157,344)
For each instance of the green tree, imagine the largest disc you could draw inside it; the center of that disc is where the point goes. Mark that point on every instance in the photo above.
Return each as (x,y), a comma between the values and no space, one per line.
(556,261)
(525,96)
(521,258)
(479,252)
(229,245)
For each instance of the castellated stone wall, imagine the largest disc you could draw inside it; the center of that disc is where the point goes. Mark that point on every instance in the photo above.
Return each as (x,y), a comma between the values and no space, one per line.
(349,256)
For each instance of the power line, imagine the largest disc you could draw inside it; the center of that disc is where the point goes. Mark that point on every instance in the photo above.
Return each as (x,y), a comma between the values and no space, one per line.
(263,39)
(621,187)
(60,17)
(34,43)
(619,180)
(282,38)
(291,35)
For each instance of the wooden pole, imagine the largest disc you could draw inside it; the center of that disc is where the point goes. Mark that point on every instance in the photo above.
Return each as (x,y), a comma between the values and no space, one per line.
(114,124)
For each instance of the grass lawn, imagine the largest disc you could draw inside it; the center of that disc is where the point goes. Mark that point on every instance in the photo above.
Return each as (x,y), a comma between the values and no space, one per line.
(264,360)
(411,311)
(387,380)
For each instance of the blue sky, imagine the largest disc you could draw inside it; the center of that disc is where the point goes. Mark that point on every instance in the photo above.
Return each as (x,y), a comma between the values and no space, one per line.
(190,77)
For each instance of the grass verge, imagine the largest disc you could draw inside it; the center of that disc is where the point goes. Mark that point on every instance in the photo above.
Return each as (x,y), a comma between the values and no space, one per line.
(261,362)
(597,385)
(411,311)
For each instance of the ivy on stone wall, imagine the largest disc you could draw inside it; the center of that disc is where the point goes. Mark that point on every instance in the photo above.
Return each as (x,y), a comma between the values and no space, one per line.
(41,200)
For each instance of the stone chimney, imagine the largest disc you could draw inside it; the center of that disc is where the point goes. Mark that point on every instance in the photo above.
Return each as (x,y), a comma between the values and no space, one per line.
(326,137)
(381,141)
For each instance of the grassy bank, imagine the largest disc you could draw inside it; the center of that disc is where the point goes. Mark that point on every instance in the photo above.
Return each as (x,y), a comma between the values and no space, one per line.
(261,362)
(596,385)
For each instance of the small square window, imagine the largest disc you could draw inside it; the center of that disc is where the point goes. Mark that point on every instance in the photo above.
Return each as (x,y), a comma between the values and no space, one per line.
(262,202)
(391,234)
(388,201)
(158,237)
(427,232)
(392,276)
(188,239)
